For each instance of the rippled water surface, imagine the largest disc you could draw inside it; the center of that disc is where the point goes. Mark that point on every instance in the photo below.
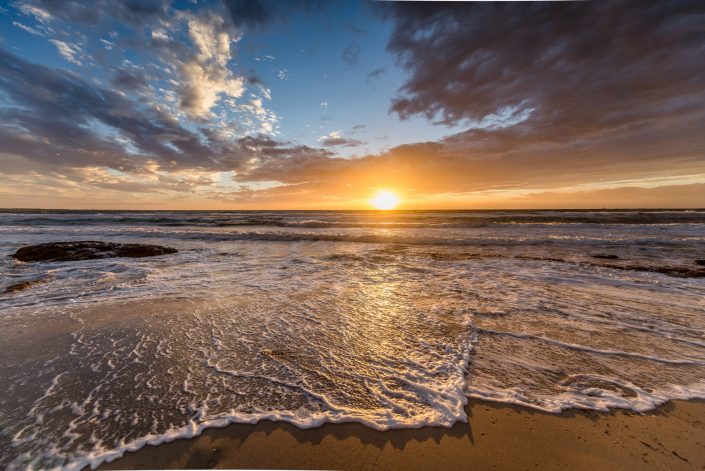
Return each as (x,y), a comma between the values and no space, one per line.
(390,319)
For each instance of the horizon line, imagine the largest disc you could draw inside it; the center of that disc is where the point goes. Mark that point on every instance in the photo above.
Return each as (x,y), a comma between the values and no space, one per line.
(370,209)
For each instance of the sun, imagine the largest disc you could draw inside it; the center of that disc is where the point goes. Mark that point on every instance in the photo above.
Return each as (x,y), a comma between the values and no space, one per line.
(385,199)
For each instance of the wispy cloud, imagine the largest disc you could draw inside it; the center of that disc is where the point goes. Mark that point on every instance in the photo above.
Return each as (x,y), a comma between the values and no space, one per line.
(376,73)
(28,29)
(283,74)
(70,52)
(336,139)
(36,11)
(351,54)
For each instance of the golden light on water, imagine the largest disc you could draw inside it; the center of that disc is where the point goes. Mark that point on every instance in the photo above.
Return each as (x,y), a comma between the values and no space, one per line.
(384,199)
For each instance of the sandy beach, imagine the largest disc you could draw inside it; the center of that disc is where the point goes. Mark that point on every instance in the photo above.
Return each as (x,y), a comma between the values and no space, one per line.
(497,436)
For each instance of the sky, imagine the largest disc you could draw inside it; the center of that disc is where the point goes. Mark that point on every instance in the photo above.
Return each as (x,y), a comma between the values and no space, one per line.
(273,104)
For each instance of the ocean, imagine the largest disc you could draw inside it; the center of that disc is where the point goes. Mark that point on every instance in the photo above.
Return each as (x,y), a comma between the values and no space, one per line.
(390,319)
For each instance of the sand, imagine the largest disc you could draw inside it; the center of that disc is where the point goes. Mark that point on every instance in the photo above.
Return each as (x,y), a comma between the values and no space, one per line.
(498,436)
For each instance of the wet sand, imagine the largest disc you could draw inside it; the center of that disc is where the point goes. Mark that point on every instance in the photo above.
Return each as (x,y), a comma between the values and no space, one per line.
(497,436)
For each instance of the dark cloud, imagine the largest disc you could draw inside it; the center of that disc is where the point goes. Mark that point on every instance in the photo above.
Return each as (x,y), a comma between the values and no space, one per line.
(253,79)
(55,117)
(132,12)
(260,13)
(377,73)
(579,67)
(59,110)
(246,12)
(242,13)
(129,80)
(335,139)
(268,149)
(340,142)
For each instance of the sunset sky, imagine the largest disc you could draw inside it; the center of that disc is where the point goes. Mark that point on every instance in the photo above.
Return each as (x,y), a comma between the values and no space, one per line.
(152,104)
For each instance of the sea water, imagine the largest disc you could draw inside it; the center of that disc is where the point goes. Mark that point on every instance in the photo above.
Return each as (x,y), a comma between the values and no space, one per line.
(391,319)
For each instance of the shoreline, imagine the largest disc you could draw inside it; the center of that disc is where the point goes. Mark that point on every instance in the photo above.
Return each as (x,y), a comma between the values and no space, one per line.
(497,436)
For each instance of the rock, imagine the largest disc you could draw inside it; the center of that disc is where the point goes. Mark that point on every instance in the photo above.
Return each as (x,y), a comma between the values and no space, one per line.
(606,257)
(86,250)
(18,286)
(700,262)
(676,271)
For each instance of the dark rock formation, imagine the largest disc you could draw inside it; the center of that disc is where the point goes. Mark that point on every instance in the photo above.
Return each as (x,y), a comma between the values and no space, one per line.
(700,262)
(18,286)
(670,270)
(86,250)
(606,257)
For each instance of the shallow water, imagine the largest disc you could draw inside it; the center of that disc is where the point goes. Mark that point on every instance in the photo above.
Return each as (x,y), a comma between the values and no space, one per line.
(388,319)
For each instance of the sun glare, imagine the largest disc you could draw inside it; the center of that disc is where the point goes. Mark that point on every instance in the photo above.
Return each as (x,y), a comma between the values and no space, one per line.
(385,199)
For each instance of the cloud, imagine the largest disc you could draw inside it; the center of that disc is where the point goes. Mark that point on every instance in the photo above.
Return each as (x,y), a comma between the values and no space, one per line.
(28,29)
(206,76)
(261,13)
(107,44)
(196,76)
(283,74)
(583,68)
(196,46)
(436,170)
(550,95)
(39,13)
(267,119)
(56,111)
(265,58)
(181,59)
(377,73)
(129,80)
(70,52)
(130,12)
(351,54)
(58,118)
(671,196)
(335,139)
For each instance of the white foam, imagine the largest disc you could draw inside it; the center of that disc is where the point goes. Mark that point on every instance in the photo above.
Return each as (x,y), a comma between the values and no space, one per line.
(593,398)
(600,351)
